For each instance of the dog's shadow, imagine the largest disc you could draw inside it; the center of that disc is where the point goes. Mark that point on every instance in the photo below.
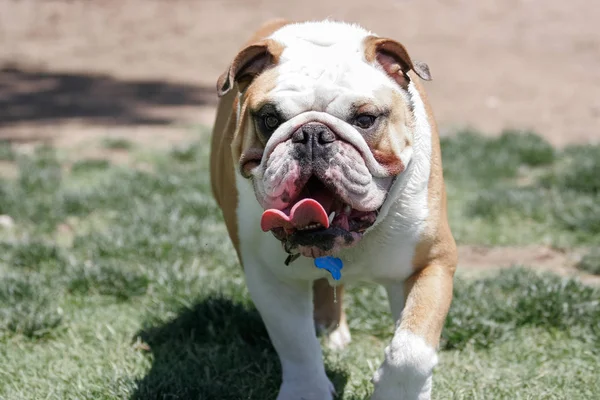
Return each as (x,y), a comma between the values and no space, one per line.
(217,349)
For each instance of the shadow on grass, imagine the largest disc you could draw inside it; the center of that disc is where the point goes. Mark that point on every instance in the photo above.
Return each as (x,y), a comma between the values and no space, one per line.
(218,349)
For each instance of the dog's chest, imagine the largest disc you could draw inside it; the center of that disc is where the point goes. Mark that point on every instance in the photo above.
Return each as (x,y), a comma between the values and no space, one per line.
(387,251)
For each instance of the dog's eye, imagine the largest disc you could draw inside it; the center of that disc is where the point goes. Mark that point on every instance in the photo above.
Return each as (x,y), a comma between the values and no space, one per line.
(271,122)
(365,121)
(267,120)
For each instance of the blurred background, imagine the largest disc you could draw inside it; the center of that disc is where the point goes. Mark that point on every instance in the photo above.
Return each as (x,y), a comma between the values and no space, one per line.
(84,65)
(118,279)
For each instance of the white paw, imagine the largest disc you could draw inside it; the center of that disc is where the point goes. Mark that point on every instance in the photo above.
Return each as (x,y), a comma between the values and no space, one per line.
(406,373)
(339,338)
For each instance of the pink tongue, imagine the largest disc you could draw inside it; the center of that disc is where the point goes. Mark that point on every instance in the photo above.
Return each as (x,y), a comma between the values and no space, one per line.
(305,212)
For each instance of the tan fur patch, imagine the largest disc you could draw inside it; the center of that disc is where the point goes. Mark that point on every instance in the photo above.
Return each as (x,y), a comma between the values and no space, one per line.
(247,145)
(429,290)
(249,63)
(429,293)
(222,173)
(437,245)
(221,158)
(393,134)
(328,306)
(391,56)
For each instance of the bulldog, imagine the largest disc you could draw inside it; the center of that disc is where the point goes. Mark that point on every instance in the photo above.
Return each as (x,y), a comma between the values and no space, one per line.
(325,145)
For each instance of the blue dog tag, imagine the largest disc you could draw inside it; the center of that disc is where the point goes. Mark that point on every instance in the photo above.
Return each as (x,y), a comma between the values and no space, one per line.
(332,264)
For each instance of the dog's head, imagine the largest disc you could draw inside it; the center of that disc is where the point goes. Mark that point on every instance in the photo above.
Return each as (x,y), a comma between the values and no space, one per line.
(324,125)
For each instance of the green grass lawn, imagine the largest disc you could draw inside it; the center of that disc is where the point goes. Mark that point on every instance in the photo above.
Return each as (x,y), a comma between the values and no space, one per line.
(120,282)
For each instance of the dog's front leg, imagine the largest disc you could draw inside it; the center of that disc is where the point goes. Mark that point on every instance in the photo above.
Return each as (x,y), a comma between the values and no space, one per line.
(419,306)
(287,311)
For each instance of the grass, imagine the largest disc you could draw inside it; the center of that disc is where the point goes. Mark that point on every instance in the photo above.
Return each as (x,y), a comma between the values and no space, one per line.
(6,151)
(518,180)
(590,262)
(120,283)
(117,143)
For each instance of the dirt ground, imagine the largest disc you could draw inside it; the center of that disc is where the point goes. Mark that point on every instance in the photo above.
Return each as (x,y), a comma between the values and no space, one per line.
(496,64)
(74,71)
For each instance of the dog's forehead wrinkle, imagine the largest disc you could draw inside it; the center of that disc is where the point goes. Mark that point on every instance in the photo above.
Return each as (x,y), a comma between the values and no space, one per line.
(333,89)
(312,70)
(295,96)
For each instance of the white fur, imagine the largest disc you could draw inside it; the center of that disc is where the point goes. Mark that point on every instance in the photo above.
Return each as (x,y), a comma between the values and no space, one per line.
(321,33)
(396,297)
(322,68)
(406,372)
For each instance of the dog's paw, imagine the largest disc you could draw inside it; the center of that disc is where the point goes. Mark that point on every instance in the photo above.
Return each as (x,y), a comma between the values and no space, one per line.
(339,338)
(406,373)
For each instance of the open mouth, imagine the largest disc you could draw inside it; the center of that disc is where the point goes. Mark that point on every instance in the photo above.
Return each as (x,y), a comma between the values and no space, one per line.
(317,222)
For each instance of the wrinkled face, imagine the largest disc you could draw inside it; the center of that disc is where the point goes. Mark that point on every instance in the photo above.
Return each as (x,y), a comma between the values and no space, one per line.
(322,136)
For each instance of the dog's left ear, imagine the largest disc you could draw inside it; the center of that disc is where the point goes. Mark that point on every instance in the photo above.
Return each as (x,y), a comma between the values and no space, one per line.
(248,64)
(394,59)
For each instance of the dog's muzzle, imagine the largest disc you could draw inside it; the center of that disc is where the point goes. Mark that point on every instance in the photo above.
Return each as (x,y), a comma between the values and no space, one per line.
(318,220)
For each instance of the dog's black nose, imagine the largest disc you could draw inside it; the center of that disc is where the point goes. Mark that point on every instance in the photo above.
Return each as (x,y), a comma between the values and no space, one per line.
(314,138)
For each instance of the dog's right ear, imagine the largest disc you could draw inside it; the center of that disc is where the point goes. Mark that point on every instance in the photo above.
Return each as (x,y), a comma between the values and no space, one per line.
(248,64)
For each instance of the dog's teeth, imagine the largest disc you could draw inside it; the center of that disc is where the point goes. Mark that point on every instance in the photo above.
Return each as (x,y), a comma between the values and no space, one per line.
(310,226)
(331,216)
(347,209)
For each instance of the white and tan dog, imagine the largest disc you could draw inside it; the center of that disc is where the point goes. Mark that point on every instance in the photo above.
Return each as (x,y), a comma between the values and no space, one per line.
(325,138)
